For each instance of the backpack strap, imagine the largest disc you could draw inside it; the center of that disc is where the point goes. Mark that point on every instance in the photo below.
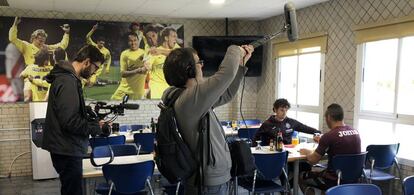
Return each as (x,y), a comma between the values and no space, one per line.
(173,96)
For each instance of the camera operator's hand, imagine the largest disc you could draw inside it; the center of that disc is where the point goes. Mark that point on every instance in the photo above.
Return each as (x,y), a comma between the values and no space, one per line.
(101,123)
(246,54)
(106,128)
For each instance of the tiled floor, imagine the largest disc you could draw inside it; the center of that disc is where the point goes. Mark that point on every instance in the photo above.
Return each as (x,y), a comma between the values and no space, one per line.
(27,186)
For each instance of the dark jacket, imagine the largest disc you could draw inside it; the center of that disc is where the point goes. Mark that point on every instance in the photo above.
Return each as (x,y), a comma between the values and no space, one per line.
(271,126)
(67,129)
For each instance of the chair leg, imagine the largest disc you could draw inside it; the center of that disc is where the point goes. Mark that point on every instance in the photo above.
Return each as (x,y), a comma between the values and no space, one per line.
(110,188)
(177,190)
(254,181)
(390,185)
(149,185)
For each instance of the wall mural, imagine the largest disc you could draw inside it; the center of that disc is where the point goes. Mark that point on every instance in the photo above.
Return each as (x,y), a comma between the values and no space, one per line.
(29,48)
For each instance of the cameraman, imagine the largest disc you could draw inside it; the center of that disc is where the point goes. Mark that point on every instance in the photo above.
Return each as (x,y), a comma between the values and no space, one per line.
(67,128)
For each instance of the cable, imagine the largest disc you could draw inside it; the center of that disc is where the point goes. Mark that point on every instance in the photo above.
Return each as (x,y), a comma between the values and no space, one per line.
(11,165)
(241,100)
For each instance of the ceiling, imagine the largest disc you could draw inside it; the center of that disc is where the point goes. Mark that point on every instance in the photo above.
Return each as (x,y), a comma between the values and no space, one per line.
(240,9)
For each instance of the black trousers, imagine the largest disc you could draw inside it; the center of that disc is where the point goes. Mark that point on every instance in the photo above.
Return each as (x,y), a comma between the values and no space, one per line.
(69,169)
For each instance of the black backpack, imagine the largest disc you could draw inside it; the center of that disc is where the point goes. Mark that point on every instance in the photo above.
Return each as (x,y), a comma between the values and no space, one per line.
(174,158)
(242,159)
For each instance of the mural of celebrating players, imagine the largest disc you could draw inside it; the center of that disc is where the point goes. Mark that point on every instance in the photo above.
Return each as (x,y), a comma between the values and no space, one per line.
(134,56)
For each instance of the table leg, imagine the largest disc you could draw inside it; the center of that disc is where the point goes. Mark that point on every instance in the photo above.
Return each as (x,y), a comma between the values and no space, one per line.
(296,177)
(85,186)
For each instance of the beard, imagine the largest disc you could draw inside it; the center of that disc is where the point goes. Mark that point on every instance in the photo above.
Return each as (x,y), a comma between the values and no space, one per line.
(86,73)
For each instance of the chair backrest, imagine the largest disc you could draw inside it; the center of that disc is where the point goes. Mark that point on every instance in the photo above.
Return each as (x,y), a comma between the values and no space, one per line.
(409,185)
(270,165)
(250,122)
(101,152)
(247,133)
(137,127)
(111,151)
(129,178)
(384,155)
(146,140)
(125,149)
(354,189)
(124,128)
(351,166)
(111,140)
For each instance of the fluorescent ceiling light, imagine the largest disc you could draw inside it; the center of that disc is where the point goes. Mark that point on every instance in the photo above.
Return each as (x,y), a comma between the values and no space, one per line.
(216,2)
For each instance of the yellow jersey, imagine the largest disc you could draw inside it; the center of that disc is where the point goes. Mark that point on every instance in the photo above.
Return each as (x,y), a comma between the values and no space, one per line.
(29,50)
(105,52)
(39,86)
(157,82)
(132,85)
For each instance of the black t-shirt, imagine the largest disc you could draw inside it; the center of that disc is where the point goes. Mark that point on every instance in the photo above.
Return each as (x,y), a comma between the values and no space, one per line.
(271,126)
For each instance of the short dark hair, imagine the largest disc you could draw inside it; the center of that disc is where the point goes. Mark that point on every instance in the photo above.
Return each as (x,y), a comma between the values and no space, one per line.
(335,111)
(166,32)
(59,54)
(281,102)
(133,24)
(91,52)
(149,28)
(41,57)
(130,33)
(177,65)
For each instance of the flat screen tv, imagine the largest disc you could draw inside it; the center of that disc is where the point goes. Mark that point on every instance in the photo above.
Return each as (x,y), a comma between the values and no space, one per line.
(211,50)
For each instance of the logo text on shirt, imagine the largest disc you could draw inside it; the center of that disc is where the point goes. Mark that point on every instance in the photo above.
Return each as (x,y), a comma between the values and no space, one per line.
(348,133)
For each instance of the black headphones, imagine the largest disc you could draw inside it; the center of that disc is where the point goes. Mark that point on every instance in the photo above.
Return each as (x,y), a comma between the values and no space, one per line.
(191,68)
(191,71)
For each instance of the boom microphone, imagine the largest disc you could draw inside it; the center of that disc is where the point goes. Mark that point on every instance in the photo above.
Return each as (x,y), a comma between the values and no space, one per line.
(290,27)
(292,24)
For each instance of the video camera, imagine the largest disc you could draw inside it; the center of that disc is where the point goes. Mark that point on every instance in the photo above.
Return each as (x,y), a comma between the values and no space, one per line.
(101,110)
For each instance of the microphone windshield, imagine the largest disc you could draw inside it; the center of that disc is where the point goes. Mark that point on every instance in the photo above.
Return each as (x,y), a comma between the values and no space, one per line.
(290,18)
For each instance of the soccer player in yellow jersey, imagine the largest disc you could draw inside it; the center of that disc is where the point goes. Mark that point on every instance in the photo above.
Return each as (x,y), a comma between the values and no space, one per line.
(34,73)
(100,44)
(37,41)
(156,60)
(133,71)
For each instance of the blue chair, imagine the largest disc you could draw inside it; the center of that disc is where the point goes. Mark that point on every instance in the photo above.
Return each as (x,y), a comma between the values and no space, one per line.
(110,151)
(146,140)
(380,159)
(349,167)
(249,122)
(354,189)
(269,168)
(137,127)
(129,178)
(247,133)
(409,185)
(103,141)
(124,128)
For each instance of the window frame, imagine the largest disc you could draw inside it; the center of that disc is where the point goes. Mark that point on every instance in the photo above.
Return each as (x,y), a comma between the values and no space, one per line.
(304,108)
(394,118)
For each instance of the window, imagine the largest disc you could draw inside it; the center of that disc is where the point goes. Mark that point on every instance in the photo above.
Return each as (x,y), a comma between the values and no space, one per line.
(299,81)
(385,92)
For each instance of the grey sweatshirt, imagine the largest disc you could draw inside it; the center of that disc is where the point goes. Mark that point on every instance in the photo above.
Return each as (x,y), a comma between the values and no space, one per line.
(195,101)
